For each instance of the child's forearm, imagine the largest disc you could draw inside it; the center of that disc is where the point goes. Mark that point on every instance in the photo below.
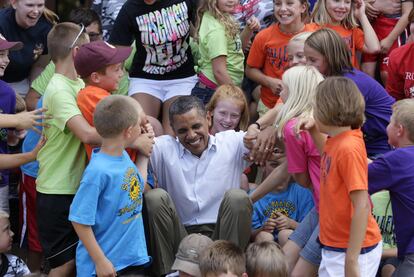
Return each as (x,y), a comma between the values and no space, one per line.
(269,117)
(88,239)
(142,165)
(245,37)
(402,22)
(389,253)
(318,138)
(15,160)
(359,223)
(258,76)
(371,42)
(220,72)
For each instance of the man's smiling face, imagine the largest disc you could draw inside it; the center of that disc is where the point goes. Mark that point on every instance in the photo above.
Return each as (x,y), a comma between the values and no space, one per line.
(191,128)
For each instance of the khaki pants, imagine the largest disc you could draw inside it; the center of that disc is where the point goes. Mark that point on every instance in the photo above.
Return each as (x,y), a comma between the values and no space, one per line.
(165,230)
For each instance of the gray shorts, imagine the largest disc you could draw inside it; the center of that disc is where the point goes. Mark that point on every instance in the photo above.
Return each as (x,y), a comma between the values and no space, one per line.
(406,268)
(306,237)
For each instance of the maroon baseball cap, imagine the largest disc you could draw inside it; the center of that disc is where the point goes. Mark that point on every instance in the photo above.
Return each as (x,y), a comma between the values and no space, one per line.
(9,45)
(96,55)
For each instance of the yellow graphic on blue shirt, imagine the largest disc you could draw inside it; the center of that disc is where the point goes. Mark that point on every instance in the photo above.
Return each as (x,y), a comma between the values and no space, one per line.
(286,208)
(133,186)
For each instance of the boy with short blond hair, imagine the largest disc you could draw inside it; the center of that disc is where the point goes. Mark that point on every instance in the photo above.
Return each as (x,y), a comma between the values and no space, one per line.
(223,258)
(349,234)
(395,172)
(266,259)
(63,160)
(106,210)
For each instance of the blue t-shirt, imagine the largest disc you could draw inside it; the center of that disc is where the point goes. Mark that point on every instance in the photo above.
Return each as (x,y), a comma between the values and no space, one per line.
(394,172)
(7,106)
(34,44)
(295,202)
(377,112)
(29,143)
(109,200)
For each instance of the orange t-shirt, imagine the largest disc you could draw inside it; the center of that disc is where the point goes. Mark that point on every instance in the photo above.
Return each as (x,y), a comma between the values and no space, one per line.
(354,38)
(344,169)
(269,54)
(87,100)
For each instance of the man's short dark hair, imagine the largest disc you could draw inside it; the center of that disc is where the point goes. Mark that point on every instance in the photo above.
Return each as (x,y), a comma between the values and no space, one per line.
(184,104)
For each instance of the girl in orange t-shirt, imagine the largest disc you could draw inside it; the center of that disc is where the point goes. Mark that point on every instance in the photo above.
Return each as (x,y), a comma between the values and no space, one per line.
(342,16)
(268,56)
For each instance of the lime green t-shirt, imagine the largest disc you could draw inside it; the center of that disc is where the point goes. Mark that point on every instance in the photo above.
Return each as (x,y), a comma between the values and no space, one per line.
(213,42)
(62,159)
(40,83)
(383,215)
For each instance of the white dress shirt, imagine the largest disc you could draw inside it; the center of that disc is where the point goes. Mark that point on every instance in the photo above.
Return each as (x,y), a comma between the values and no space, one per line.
(197,184)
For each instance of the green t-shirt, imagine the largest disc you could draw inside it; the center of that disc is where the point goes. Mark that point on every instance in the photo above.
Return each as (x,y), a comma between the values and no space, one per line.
(62,159)
(213,42)
(40,83)
(383,214)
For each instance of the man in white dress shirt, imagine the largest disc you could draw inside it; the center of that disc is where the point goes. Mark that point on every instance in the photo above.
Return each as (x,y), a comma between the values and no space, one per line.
(199,184)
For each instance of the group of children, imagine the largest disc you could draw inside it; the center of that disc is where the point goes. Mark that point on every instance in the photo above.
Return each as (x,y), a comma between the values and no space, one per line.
(343,135)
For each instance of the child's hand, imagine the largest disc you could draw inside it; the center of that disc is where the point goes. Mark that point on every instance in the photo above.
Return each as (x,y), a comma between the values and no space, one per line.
(145,142)
(148,129)
(371,11)
(359,9)
(270,225)
(105,269)
(304,123)
(275,85)
(385,45)
(351,267)
(282,222)
(251,136)
(253,23)
(27,120)
(38,146)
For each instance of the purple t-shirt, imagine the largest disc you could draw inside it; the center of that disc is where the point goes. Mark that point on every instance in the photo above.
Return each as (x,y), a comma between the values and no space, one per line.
(303,156)
(377,112)
(395,172)
(7,106)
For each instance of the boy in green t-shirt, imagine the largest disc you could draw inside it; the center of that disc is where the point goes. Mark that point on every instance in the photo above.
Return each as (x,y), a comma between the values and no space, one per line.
(63,160)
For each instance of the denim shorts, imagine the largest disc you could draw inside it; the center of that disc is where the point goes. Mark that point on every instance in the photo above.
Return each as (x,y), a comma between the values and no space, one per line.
(202,92)
(306,237)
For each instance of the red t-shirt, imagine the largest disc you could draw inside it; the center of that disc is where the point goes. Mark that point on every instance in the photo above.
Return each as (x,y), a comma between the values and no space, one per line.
(87,100)
(344,169)
(269,54)
(400,83)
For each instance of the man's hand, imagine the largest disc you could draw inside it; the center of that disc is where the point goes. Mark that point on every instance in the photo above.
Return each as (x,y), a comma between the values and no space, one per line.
(264,145)
(105,268)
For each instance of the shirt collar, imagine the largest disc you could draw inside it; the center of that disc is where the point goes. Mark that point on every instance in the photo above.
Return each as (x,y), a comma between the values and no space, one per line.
(212,144)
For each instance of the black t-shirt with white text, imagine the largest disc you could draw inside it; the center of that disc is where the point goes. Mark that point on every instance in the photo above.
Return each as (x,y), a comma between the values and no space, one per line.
(161,32)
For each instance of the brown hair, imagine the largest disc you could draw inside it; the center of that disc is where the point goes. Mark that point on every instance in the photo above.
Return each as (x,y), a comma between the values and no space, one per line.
(222,257)
(338,102)
(114,114)
(61,37)
(266,259)
(330,45)
(231,92)
(402,113)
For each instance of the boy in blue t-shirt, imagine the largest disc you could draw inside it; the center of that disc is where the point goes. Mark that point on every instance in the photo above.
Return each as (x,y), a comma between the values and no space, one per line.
(395,172)
(106,211)
(277,214)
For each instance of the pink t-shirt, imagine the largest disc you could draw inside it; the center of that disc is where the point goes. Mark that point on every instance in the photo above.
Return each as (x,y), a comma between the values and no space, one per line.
(303,156)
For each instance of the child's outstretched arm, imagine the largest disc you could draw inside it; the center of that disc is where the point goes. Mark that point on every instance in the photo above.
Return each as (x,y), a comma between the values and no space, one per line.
(309,124)
(83,131)
(252,24)
(359,199)
(15,160)
(371,43)
(103,266)
(402,23)
(24,120)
